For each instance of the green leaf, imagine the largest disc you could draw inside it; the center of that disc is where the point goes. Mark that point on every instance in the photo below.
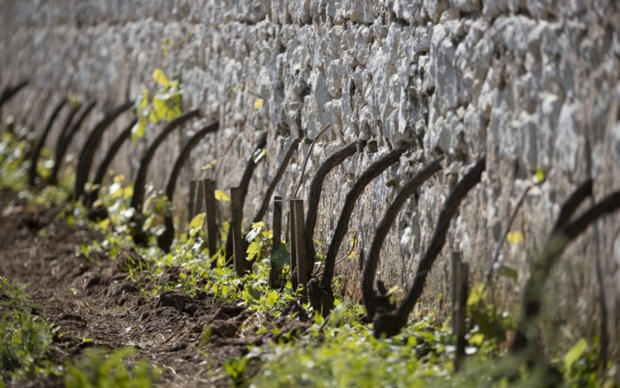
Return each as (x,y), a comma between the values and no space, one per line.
(514,237)
(259,154)
(508,272)
(160,77)
(138,130)
(281,257)
(540,176)
(210,165)
(477,294)
(254,248)
(575,353)
(272,298)
(256,229)
(221,196)
(197,221)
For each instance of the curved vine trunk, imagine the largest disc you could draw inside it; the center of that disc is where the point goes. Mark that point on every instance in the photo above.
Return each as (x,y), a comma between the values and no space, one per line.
(10,92)
(87,154)
(315,194)
(326,296)
(164,241)
(389,323)
(33,119)
(36,152)
(372,300)
(105,164)
(65,140)
(65,128)
(139,184)
(560,237)
(274,182)
(526,336)
(243,187)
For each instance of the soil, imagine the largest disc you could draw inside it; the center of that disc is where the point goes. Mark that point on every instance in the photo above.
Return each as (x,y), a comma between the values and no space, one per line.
(95,303)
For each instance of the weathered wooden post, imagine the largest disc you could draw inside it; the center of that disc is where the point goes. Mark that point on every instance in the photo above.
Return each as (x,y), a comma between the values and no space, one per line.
(293,234)
(208,187)
(235,226)
(164,240)
(245,183)
(198,205)
(303,264)
(460,290)
(192,198)
(275,272)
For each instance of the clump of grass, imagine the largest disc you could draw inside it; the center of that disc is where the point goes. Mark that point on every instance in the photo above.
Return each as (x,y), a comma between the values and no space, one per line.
(24,338)
(96,369)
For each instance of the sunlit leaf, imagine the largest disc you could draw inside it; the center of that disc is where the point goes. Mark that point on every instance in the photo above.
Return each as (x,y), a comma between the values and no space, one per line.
(75,101)
(575,353)
(392,290)
(477,294)
(104,224)
(514,237)
(137,131)
(259,154)
(143,100)
(221,196)
(540,175)
(271,299)
(160,77)
(254,248)
(209,165)
(197,221)
(256,228)
(476,339)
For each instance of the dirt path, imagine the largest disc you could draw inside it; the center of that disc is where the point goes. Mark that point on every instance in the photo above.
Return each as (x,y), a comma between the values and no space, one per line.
(96,304)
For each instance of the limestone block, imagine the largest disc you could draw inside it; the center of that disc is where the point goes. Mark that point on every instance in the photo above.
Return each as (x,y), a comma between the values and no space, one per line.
(335,73)
(567,140)
(435,8)
(466,5)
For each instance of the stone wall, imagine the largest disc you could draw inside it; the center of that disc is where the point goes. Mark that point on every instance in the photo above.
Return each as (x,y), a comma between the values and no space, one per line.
(528,83)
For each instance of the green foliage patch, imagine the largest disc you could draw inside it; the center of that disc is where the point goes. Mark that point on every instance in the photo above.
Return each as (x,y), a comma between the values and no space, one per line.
(24,338)
(98,369)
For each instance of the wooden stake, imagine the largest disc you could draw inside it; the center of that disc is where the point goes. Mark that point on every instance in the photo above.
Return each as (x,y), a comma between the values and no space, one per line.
(293,235)
(237,213)
(455,262)
(303,272)
(274,272)
(460,290)
(192,197)
(208,188)
(200,198)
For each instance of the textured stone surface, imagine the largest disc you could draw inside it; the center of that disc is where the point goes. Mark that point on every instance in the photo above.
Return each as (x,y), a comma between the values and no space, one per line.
(529,83)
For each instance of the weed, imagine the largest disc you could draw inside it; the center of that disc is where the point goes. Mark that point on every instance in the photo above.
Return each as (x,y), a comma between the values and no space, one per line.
(24,338)
(96,370)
